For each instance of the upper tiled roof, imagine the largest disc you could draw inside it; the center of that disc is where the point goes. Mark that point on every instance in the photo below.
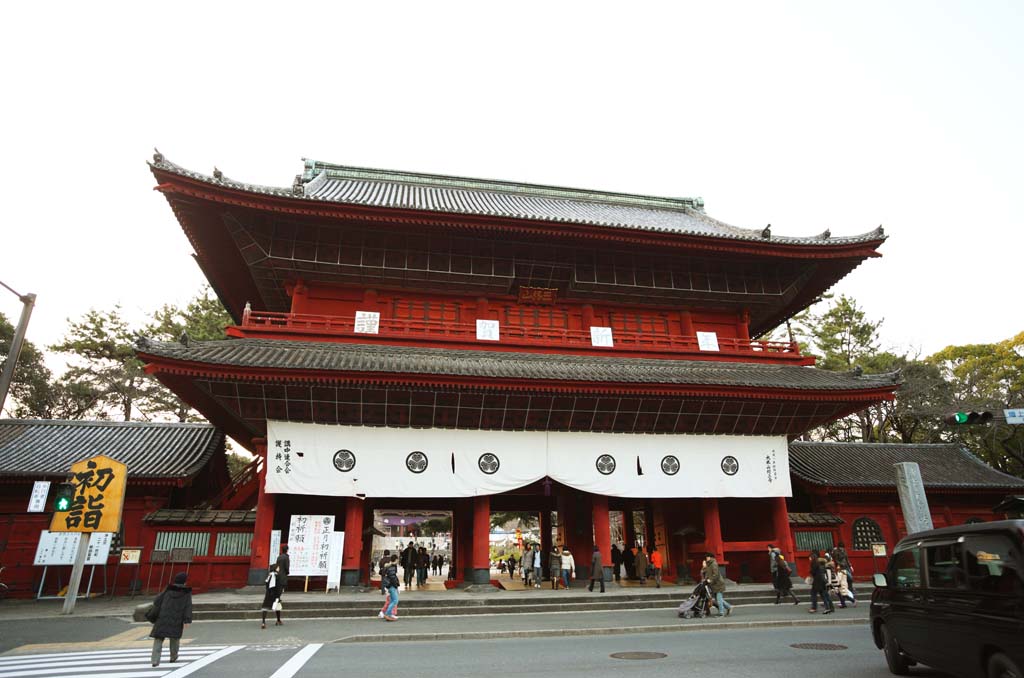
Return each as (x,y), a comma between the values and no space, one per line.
(49,447)
(376,358)
(458,195)
(871,465)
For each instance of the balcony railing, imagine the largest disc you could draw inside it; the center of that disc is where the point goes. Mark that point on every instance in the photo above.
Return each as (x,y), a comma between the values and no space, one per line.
(510,335)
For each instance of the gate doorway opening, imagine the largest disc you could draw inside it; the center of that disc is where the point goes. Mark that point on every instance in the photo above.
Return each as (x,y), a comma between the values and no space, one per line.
(422,540)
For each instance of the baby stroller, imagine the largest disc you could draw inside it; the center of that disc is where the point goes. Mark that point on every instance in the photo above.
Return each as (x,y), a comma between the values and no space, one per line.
(698,604)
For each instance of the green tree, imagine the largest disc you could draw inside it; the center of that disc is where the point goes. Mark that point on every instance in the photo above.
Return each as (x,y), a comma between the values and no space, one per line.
(986,377)
(30,386)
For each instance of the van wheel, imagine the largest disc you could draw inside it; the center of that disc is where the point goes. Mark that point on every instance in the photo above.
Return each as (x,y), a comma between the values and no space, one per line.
(1001,666)
(898,664)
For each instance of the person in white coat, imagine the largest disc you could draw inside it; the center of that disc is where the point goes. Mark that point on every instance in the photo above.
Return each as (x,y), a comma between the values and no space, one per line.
(568,566)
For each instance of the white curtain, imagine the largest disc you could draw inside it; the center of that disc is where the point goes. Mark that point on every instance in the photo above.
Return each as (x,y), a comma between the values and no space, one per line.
(349,461)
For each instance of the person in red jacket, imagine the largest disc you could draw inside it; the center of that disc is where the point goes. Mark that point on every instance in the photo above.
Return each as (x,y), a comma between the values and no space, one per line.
(656,566)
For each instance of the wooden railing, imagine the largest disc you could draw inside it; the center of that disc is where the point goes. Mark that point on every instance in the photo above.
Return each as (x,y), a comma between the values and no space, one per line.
(516,335)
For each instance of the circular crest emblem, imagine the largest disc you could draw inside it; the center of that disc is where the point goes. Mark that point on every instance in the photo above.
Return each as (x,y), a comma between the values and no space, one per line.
(489,463)
(416,462)
(670,465)
(606,464)
(344,460)
(730,466)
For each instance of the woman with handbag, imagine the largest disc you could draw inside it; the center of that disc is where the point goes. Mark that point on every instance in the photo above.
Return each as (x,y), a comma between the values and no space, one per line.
(782,580)
(272,597)
(170,614)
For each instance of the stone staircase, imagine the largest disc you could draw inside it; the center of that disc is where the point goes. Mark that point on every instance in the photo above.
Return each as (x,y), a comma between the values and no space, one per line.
(431,604)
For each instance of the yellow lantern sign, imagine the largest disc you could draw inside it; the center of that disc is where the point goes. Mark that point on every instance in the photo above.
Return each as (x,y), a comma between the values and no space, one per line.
(96,505)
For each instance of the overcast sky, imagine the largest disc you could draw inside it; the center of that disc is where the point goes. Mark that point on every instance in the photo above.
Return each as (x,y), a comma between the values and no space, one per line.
(804,115)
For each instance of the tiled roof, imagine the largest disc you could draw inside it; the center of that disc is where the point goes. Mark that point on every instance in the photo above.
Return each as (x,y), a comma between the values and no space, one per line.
(871,465)
(375,358)
(814,519)
(151,450)
(326,182)
(201,517)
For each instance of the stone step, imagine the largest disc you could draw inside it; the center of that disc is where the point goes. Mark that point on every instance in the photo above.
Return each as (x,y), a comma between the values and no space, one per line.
(511,604)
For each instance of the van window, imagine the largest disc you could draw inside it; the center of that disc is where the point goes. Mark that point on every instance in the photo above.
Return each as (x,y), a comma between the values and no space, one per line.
(991,566)
(905,569)
(945,567)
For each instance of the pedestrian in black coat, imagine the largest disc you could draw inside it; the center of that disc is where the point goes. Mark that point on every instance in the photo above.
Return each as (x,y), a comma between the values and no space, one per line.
(781,579)
(170,614)
(628,562)
(617,562)
(272,596)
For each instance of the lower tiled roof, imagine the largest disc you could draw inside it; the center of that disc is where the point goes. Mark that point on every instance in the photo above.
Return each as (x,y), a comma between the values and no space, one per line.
(871,465)
(814,519)
(375,358)
(201,517)
(44,447)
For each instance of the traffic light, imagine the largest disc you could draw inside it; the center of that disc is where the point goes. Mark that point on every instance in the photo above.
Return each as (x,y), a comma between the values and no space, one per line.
(62,498)
(968,418)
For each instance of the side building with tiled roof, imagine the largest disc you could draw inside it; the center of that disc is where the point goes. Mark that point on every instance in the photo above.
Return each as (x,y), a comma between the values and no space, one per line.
(846,492)
(171,466)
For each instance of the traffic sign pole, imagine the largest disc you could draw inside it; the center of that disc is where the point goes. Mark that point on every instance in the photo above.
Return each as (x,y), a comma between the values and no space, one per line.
(71,595)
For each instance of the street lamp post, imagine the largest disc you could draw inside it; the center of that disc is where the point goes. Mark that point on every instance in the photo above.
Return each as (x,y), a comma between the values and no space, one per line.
(28,302)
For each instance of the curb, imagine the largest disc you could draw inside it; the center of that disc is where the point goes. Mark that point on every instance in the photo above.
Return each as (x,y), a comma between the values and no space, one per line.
(662,628)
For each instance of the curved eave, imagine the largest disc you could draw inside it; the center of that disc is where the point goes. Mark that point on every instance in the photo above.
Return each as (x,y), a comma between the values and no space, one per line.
(156,365)
(273,200)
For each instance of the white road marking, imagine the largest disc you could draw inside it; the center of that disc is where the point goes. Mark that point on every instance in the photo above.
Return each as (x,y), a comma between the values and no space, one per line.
(133,663)
(209,659)
(298,660)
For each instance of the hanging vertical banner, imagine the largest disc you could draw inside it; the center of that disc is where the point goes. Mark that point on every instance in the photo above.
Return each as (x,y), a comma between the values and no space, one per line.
(37,501)
(275,547)
(309,545)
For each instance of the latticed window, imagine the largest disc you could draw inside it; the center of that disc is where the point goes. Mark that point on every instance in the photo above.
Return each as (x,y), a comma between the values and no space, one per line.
(865,533)
(199,542)
(820,541)
(233,544)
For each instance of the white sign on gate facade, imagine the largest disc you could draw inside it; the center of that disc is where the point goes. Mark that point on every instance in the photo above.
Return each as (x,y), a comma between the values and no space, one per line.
(309,545)
(336,541)
(40,491)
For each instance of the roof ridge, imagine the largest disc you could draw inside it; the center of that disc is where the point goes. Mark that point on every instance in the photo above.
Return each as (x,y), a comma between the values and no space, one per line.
(94,422)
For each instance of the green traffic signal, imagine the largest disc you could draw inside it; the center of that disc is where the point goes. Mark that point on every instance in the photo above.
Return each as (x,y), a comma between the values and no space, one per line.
(968,418)
(63,496)
(960,418)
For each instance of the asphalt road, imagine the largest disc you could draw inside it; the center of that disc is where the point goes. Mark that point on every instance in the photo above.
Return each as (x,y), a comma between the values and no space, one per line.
(762,653)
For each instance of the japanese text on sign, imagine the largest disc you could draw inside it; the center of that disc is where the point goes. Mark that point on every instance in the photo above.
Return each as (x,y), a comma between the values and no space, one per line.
(99,497)
(37,502)
(60,548)
(282,457)
(309,545)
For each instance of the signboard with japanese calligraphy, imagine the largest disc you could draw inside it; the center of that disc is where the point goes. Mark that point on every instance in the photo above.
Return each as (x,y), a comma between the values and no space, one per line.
(99,497)
(40,491)
(487,330)
(537,295)
(707,341)
(367,322)
(601,336)
(336,547)
(275,546)
(309,545)
(59,548)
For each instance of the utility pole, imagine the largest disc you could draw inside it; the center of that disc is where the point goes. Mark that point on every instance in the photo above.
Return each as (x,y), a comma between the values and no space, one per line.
(28,302)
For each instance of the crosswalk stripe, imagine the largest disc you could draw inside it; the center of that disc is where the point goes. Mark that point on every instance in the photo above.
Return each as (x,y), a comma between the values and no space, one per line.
(79,670)
(208,659)
(298,660)
(104,653)
(91,661)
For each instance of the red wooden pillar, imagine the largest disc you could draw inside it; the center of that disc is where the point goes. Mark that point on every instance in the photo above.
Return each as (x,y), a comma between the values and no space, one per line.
(259,559)
(545,539)
(481,540)
(602,533)
(351,555)
(713,529)
(463,533)
(783,533)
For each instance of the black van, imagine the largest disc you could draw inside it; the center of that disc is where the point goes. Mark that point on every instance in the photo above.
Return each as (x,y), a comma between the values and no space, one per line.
(953,599)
